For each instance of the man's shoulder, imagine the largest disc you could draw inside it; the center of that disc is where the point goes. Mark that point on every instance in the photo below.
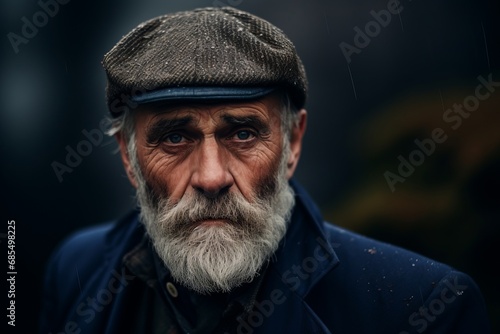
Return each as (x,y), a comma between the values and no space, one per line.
(92,243)
(390,282)
(86,250)
(361,252)
(381,267)
(83,243)
(81,261)
(371,267)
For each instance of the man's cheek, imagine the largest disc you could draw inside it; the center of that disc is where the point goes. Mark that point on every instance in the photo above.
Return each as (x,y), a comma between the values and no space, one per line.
(157,181)
(266,183)
(154,185)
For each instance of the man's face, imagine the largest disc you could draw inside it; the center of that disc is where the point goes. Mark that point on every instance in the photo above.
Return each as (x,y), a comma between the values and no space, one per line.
(209,149)
(212,185)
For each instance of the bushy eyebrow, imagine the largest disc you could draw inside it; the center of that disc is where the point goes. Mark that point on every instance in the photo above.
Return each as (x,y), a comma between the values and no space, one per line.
(253,121)
(155,131)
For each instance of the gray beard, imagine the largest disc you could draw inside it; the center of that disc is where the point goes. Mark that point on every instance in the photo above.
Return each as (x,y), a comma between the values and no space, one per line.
(221,257)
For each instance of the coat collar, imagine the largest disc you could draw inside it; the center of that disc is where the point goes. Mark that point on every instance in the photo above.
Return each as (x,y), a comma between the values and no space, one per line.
(306,253)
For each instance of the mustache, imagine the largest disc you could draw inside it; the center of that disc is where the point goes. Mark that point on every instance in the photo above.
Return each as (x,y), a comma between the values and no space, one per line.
(184,216)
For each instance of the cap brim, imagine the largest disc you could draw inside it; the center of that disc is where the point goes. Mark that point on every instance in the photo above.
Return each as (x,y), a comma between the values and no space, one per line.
(202,94)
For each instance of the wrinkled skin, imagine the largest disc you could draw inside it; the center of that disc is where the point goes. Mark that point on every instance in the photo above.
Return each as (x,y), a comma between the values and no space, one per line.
(211,148)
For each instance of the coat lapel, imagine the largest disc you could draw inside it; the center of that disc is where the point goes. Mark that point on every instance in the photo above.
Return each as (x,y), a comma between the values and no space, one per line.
(304,257)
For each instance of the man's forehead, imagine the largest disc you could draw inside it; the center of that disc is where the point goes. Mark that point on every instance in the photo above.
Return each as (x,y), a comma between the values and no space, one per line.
(265,108)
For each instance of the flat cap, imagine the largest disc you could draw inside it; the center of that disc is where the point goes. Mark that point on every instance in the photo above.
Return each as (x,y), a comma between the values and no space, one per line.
(206,53)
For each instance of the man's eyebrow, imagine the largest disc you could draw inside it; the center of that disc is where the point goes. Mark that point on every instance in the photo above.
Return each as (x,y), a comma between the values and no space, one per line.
(246,120)
(155,131)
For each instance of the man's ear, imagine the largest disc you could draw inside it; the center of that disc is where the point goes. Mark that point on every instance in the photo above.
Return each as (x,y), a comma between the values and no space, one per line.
(297,133)
(122,142)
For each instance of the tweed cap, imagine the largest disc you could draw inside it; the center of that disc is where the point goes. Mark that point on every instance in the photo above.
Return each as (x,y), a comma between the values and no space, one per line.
(206,53)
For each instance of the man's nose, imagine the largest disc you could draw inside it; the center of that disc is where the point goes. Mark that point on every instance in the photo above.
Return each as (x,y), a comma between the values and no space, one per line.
(211,176)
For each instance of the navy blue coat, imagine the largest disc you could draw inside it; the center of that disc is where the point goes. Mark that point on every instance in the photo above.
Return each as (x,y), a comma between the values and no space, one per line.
(322,279)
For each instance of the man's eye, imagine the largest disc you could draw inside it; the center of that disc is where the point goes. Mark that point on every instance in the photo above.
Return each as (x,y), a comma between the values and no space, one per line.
(243,135)
(174,138)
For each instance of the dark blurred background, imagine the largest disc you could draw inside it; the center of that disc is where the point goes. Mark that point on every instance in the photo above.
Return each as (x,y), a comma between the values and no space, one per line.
(364,114)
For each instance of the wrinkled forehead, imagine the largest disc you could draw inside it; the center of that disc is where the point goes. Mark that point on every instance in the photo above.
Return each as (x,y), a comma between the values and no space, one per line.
(267,108)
